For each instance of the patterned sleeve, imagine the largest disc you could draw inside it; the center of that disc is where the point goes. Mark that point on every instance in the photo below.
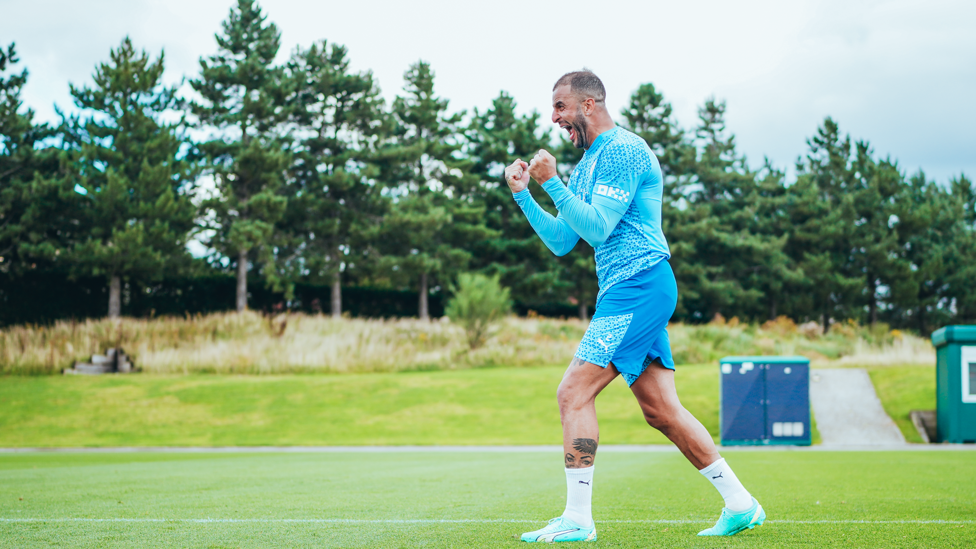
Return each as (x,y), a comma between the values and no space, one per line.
(557,235)
(619,174)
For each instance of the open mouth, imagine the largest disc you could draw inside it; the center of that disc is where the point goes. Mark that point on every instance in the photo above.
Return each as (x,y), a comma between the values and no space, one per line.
(572,133)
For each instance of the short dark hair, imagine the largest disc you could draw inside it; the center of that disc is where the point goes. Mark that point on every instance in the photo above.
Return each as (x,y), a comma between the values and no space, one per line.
(583,84)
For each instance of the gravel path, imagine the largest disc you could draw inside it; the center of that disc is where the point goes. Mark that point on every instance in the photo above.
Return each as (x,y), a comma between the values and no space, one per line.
(848,410)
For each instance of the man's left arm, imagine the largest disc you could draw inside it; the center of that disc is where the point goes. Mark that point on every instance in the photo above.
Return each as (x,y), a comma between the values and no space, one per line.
(614,189)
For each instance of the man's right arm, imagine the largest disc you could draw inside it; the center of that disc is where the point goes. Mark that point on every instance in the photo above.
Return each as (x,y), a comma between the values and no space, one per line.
(555,232)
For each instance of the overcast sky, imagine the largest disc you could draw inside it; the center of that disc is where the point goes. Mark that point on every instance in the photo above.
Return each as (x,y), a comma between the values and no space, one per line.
(901,74)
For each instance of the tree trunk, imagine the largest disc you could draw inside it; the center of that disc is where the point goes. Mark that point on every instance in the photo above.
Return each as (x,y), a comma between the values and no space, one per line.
(772,309)
(873,303)
(826,321)
(422,307)
(115,297)
(336,296)
(242,281)
(583,311)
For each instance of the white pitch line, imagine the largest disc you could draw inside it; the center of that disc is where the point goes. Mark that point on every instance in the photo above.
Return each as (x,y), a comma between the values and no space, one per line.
(449,521)
(622,448)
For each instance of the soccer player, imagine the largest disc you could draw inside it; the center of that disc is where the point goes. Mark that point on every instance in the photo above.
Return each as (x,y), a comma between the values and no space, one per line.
(613,202)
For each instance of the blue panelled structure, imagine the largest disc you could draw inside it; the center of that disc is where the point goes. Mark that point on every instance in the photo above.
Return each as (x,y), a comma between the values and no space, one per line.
(764,400)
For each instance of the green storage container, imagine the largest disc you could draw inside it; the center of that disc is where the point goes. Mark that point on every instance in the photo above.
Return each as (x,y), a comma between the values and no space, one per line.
(955,383)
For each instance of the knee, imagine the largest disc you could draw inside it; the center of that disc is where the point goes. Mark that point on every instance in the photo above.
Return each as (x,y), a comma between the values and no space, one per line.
(658,417)
(570,397)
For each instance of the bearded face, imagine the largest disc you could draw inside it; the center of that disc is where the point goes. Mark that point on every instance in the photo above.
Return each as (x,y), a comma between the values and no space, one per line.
(567,112)
(578,129)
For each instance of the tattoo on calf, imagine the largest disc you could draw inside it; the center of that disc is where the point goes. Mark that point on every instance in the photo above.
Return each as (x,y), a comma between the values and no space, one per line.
(587,451)
(585,445)
(573,463)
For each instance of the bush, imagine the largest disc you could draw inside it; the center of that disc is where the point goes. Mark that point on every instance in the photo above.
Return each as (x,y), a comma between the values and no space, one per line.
(782,326)
(478,302)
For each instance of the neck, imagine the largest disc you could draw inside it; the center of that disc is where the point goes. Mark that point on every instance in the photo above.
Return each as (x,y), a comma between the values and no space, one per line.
(598,125)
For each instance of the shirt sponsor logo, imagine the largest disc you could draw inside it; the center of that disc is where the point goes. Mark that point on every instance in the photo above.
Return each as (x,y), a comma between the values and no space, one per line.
(613,192)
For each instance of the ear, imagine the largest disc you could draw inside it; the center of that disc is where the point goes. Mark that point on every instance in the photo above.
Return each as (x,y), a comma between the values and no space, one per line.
(588,105)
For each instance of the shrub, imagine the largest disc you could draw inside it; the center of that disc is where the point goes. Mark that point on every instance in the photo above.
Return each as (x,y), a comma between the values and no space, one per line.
(783,326)
(478,302)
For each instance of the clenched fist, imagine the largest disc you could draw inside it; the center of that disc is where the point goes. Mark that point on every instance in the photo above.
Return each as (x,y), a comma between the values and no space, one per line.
(517,176)
(543,166)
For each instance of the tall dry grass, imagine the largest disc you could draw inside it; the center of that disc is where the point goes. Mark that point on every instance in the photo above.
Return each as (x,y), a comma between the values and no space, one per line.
(249,343)
(845,344)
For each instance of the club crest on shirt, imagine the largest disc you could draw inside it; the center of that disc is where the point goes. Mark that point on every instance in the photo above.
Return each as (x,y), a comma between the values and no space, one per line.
(613,192)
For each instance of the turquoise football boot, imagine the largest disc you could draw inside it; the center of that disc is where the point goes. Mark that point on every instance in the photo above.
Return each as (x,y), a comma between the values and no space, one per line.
(731,523)
(561,529)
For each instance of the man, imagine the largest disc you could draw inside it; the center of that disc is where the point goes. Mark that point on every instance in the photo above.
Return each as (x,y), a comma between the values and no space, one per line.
(614,203)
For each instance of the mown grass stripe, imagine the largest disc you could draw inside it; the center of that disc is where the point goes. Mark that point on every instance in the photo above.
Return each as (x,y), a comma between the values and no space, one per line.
(455,521)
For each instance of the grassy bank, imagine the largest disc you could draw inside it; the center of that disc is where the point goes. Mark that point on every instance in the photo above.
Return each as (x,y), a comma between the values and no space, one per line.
(250,344)
(483,406)
(478,406)
(903,389)
(840,499)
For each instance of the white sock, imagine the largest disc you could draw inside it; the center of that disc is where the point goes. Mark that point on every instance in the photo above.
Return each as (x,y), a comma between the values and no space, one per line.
(579,489)
(737,498)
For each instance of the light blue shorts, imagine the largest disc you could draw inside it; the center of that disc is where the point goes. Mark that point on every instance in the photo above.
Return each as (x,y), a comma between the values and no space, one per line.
(630,327)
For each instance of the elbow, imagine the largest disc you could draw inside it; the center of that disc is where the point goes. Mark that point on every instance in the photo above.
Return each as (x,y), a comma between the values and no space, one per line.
(598,235)
(561,250)
(596,241)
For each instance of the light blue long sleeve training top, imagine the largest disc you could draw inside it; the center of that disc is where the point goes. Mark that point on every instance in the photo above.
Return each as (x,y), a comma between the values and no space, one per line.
(613,203)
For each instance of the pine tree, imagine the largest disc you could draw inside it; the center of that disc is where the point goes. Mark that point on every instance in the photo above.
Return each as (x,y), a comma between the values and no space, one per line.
(651,117)
(30,209)
(874,244)
(937,249)
(962,271)
(823,213)
(494,139)
(724,261)
(129,160)
(337,116)
(434,219)
(242,108)
(578,267)
(779,273)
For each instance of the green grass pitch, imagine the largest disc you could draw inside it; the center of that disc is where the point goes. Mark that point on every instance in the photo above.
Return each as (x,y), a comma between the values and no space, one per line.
(477,498)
